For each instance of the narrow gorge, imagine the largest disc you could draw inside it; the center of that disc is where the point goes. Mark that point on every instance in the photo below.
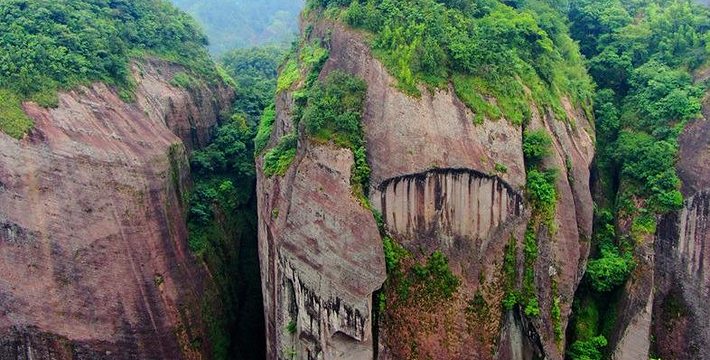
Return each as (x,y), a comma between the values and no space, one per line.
(411,179)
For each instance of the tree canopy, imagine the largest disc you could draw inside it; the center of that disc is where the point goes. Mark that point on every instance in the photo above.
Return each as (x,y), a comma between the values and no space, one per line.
(46,45)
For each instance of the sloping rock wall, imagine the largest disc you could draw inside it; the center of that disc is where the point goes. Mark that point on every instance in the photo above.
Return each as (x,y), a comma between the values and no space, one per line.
(93,244)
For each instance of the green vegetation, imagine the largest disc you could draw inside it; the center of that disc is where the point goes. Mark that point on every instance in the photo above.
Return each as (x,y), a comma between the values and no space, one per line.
(266,126)
(222,231)
(588,350)
(413,283)
(183,80)
(611,267)
(641,56)
(222,219)
(333,113)
(242,24)
(542,192)
(291,327)
(289,75)
(515,54)
(307,60)
(13,120)
(510,274)
(529,295)
(537,145)
(47,45)
(254,71)
(278,159)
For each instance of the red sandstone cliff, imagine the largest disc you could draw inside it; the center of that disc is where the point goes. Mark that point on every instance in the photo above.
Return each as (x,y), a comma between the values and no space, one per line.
(434,181)
(93,243)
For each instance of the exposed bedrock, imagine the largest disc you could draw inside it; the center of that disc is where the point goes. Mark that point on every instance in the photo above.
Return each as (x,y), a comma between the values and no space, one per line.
(433,180)
(321,259)
(681,319)
(447,202)
(93,244)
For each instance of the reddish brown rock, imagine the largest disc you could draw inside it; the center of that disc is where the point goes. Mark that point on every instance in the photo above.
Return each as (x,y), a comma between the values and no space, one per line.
(434,180)
(681,319)
(93,243)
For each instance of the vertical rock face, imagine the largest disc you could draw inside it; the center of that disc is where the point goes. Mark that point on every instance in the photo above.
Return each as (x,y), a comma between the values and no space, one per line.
(681,319)
(434,179)
(93,246)
(321,259)
(451,202)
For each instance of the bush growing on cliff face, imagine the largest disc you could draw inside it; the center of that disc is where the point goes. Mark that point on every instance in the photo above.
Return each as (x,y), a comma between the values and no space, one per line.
(609,270)
(537,145)
(278,159)
(588,350)
(13,120)
(541,189)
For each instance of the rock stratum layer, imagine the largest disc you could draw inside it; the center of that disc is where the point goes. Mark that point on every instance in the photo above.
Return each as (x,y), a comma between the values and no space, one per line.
(434,180)
(93,243)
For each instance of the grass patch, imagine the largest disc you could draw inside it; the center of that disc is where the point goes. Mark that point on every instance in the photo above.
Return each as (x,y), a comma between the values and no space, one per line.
(182,80)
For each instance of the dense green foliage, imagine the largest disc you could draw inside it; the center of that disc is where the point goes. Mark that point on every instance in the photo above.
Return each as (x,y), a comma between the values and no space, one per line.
(266,126)
(222,230)
(254,71)
(610,267)
(588,350)
(537,145)
(333,113)
(46,45)
(541,190)
(279,158)
(222,215)
(640,55)
(13,120)
(230,24)
(486,48)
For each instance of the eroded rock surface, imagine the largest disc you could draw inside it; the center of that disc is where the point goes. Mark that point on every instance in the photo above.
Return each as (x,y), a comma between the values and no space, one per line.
(434,179)
(681,319)
(93,244)
(321,259)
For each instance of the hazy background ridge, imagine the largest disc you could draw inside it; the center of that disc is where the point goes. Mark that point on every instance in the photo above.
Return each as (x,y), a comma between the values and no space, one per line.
(244,23)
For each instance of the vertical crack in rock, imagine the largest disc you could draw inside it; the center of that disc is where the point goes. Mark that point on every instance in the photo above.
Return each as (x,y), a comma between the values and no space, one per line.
(681,323)
(447,203)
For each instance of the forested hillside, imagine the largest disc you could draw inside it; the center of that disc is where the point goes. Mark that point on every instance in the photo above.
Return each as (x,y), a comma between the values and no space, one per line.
(244,23)
(432,179)
(644,57)
(47,46)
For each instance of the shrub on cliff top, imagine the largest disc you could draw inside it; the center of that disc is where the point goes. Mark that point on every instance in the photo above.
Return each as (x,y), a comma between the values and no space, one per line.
(46,45)
(510,49)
